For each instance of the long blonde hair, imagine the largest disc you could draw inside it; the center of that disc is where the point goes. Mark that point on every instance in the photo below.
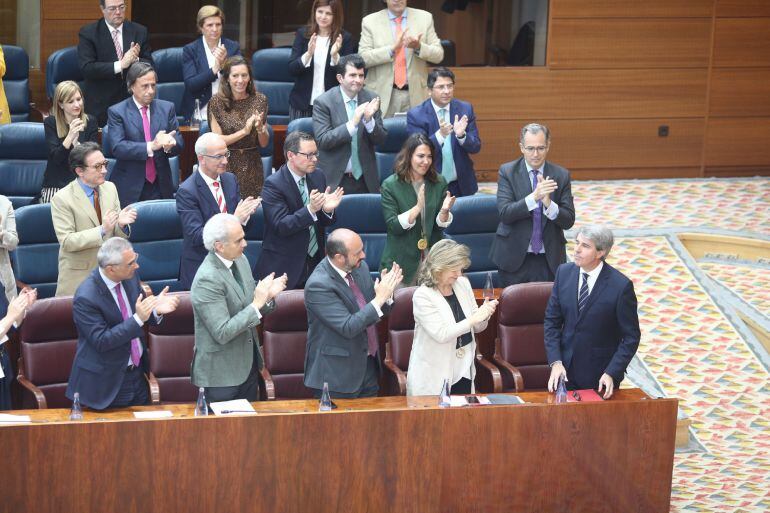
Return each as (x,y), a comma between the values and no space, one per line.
(445,255)
(63,93)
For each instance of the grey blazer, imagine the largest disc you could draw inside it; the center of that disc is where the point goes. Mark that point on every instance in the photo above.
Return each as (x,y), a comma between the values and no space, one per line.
(330,116)
(9,239)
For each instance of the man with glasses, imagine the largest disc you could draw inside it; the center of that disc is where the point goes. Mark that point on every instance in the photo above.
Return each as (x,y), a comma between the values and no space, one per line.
(451,126)
(106,49)
(209,190)
(298,207)
(534,202)
(85,214)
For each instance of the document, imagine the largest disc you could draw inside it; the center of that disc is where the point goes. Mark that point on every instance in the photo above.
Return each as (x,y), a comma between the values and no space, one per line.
(235,407)
(7,418)
(585,396)
(504,399)
(153,414)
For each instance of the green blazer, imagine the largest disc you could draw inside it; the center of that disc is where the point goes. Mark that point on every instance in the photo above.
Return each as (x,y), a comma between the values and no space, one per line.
(401,245)
(225,324)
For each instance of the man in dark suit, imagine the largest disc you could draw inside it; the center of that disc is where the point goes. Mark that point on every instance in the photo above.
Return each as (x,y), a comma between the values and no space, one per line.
(347,123)
(109,311)
(591,324)
(142,134)
(343,308)
(106,49)
(298,206)
(451,126)
(209,190)
(534,202)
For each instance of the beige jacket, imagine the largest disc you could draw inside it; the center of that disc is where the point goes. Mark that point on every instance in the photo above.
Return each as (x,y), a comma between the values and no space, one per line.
(9,239)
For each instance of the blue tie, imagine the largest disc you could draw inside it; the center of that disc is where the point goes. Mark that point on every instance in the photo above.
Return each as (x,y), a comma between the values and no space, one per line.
(354,161)
(447,160)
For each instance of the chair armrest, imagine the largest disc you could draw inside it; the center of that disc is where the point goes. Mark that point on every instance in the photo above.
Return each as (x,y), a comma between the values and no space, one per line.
(396,375)
(518,380)
(27,384)
(487,375)
(154,388)
(269,384)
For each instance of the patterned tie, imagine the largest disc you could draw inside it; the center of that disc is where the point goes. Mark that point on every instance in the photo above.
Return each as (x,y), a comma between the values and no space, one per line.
(136,347)
(537,220)
(237,275)
(399,69)
(371,331)
(220,197)
(149,167)
(583,295)
(118,48)
(447,160)
(354,160)
(97,206)
(312,247)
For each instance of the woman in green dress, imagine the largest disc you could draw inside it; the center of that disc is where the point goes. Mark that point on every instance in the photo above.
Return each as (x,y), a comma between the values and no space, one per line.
(416,206)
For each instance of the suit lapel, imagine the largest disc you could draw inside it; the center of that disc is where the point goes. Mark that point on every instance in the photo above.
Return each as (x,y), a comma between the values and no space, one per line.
(601,283)
(204,193)
(292,188)
(81,199)
(227,275)
(155,121)
(108,298)
(572,289)
(342,284)
(521,179)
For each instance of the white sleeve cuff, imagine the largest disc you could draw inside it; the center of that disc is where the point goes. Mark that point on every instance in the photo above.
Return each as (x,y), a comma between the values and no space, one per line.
(530,201)
(369,125)
(448,221)
(552,211)
(117,68)
(403,220)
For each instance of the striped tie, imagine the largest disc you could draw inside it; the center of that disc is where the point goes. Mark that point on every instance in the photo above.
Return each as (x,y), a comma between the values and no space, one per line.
(312,247)
(583,295)
(118,48)
(220,198)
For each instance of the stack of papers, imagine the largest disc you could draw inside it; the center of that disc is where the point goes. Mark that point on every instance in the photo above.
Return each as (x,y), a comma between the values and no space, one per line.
(7,418)
(153,414)
(504,399)
(235,407)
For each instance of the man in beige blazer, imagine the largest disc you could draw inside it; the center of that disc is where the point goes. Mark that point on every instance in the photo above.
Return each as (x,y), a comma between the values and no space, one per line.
(394,35)
(85,214)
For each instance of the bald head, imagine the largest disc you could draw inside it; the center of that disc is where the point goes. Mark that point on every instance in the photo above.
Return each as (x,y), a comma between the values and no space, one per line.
(345,249)
(211,150)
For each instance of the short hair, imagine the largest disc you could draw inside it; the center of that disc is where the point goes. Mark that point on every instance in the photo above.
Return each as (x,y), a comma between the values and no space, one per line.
(80,153)
(293,142)
(352,59)
(402,166)
(600,235)
(209,11)
(62,94)
(204,142)
(136,71)
(441,71)
(216,229)
(111,252)
(534,128)
(445,255)
(335,245)
(101,2)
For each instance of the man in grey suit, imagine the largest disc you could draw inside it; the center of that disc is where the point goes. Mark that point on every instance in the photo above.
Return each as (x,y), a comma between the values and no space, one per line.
(347,123)
(343,308)
(227,306)
(534,202)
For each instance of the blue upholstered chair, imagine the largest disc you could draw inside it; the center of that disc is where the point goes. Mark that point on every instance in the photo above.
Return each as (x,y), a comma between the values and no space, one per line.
(271,77)
(62,65)
(254,232)
(475,222)
(36,258)
(362,213)
(157,238)
(23,157)
(301,124)
(168,67)
(16,82)
(387,151)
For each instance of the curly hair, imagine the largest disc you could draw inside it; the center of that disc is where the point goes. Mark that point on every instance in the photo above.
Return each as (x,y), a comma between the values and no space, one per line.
(445,255)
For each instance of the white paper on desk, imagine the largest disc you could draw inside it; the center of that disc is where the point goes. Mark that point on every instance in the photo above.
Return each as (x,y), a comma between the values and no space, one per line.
(234,407)
(153,414)
(14,419)
(457,400)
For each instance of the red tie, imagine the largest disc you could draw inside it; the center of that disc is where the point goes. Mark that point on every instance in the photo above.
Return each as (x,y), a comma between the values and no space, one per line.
(371,331)
(399,71)
(220,198)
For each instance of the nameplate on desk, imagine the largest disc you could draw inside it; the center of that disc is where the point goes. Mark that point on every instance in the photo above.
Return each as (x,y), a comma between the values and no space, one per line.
(234,407)
(154,414)
(504,399)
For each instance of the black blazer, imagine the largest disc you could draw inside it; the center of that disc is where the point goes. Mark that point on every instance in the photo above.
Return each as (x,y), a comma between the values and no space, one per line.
(57,172)
(96,55)
(198,77)
(299,98)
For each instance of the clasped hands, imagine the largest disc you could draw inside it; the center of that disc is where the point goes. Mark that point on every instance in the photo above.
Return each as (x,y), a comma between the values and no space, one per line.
(267,288)
(246,207)
(387,283)
(326,200)
(122,219)
(545,186)
(162,304)
(459,127)
(164,140)
(17,308)
(408,41)
(130,56)
(366,110)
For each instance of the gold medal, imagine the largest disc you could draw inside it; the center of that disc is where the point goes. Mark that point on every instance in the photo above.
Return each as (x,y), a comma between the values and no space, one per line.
(422,244)
(460,352)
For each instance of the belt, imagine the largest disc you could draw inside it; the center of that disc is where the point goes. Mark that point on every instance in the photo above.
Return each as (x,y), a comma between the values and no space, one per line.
(405,88)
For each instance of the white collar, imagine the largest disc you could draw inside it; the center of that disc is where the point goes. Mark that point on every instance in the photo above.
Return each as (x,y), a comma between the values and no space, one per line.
(139,105)
(207,178)
(110,284)
(595,272)
(228,263)
(342,273)
(437,108)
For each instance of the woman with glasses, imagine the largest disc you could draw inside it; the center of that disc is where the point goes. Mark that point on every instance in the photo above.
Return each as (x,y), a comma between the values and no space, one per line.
(317,49)
(66,127)
(239,114)
(416,205)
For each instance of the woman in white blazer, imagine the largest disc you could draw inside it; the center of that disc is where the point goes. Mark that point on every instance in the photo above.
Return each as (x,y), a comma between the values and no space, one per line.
(446,317)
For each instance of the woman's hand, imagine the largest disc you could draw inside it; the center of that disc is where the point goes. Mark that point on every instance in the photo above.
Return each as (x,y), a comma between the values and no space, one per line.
(335,51)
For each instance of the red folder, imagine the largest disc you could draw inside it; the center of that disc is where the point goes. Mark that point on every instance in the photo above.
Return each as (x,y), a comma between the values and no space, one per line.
(584,396)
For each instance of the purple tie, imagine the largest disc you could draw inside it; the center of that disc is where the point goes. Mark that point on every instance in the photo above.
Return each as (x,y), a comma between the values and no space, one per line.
(537,219)
(136,351)
(371,331)
(149,166)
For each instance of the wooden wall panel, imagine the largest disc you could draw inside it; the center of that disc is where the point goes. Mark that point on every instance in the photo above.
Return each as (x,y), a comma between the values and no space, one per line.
(631,9)
(737,142)
(741,42)
(630,43)
(739,8)
(72,9)
(740,92)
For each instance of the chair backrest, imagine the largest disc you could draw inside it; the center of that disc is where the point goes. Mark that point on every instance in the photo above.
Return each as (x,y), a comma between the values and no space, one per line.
(157,238)
(23,158)
(475,222)
(171,346)
(16,82)
(270,67)
(362,213)
(168,67)
(254,232)
(62,65)
(401,327)
(284,340)
(387,151)
(36,258)
(301,124)
(49,339)
(450,54)
(520,328)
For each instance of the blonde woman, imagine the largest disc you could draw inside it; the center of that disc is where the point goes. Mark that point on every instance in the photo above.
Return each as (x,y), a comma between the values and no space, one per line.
(66,127)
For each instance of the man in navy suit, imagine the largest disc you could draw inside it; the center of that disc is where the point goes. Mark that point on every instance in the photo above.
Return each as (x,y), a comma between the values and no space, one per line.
(298,206)
(109,311)
(451,126)
(209,190)
(591,324)
(142,134)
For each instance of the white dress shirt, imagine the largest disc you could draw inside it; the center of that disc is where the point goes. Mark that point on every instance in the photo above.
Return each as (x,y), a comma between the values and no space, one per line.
(210,59)
(592,276)
(440,138)
(353,129)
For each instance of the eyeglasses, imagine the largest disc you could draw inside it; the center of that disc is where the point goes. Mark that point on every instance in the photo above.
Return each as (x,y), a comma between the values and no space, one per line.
(309,156)
(225,155)
(533,149)
(99,165)
(115,8)
(444,87)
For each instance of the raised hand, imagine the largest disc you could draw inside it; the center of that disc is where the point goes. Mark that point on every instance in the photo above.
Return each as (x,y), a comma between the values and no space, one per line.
(449,201)
(460,125)
(359,112)
(145,306)
(545,186)
(165,303)
(109,220)
(399,42)
(262,290)
(18,307)
(246,207)
(278,286)
(130,56)
(445,128)
(169,141)
(335,50)
(412,42)
(332,199)
(371,108)
(317,200)
(126,216)
(387,283)
(311,44)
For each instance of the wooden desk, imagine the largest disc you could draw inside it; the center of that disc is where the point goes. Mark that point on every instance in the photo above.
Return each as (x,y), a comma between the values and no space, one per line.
(383,454)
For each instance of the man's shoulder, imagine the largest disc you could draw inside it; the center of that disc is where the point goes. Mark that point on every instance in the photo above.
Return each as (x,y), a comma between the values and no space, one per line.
(513,165)
(66,194)
(326,97)
(89,29)
(615,276)
(88,287)
(120,108)
(418,14)
(132,25)
(554,169)
(462,104)
(375,16)
(163,105)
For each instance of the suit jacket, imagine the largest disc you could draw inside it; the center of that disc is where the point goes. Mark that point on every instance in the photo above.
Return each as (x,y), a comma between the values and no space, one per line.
(299,98)
(125,138)
(330,116)
(9,239)
(5,112)
(96,54)
(196,205)
(225,324)
(337,344)
(376,43)
(287,223)
(422,119)
(57,170)
(104,341)
(79,232)
(401,245)
(603,337)
(433,357)
(514,232)
(198,76)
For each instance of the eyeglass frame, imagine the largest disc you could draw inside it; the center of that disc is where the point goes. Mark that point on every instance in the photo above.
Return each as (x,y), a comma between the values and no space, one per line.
(115,8)
(225,155)
(534,149)
(308,156)
(101,165)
